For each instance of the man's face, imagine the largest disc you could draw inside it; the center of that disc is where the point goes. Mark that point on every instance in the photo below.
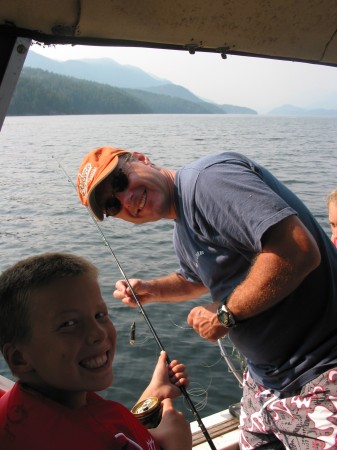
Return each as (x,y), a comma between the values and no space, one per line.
(147,197)
(73,340)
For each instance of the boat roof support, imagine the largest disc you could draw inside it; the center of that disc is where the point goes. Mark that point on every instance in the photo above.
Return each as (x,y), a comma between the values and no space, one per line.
(12,57)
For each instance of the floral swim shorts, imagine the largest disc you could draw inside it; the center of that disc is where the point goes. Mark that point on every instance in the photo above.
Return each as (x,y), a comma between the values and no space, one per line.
(306,419)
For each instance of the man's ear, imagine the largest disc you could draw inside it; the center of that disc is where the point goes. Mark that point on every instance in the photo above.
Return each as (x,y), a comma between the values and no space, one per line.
(15,359)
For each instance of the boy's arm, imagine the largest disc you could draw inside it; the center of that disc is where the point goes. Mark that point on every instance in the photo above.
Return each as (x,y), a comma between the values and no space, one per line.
(173,431)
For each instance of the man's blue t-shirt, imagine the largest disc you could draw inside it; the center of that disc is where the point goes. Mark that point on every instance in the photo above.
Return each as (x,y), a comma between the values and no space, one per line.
(225,203)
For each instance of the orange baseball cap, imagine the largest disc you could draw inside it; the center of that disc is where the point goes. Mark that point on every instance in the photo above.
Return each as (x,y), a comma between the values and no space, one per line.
(95,167)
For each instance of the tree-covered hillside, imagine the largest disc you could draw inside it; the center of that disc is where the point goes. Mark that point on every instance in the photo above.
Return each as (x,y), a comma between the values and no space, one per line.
(40,92)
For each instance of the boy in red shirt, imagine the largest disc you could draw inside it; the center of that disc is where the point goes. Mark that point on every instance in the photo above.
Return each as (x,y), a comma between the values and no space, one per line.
(59,341)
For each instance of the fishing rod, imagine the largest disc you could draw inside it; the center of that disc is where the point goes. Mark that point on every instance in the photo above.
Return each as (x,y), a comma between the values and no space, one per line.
(147,320)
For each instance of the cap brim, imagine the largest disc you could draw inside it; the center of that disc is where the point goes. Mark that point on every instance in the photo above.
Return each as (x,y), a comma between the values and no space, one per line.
(92,202)
(94,207)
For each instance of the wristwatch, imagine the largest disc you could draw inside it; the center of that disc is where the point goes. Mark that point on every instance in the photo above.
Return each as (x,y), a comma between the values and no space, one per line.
(225,317)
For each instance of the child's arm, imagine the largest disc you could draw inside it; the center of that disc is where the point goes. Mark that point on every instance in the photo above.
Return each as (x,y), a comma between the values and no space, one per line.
(166,380)
(173,432)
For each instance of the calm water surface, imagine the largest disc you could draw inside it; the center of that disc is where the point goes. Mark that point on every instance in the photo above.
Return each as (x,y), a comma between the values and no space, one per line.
(40,212)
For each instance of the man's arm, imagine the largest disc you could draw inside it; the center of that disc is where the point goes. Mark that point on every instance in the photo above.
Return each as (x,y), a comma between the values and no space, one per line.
(288,255)
(172,288)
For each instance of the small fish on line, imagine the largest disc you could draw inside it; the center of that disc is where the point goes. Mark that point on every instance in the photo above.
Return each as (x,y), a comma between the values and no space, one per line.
(133,333)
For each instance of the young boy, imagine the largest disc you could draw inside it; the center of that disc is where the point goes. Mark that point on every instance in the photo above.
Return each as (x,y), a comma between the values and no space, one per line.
(332,209)
(58,340)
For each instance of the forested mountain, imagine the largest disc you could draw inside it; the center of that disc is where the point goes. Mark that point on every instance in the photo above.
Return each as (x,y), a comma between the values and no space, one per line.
(101,70)
(40,92)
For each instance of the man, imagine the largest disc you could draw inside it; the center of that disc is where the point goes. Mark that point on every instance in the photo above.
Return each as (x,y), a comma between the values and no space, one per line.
(271,270)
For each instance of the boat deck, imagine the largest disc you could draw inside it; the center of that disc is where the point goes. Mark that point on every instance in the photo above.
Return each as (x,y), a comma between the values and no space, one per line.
(222,428)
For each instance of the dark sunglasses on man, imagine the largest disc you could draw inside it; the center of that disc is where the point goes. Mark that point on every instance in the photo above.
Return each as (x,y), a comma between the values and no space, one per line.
(119,183)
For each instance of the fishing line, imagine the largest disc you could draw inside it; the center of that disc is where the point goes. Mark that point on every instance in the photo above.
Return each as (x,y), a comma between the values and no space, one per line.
(209,366)
(181,327)
(198,392)
(233,360)
(142,311)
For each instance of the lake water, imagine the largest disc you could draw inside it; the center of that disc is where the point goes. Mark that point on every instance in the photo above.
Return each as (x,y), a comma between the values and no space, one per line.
(40,212)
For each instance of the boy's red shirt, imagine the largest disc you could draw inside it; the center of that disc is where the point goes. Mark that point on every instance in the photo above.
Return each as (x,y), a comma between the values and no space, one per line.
(30,420)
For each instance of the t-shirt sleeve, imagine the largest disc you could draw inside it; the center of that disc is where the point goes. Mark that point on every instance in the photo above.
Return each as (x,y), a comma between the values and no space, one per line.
(235,207)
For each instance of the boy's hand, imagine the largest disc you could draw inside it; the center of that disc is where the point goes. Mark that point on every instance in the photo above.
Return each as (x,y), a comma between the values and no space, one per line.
(166,379)
(173,432)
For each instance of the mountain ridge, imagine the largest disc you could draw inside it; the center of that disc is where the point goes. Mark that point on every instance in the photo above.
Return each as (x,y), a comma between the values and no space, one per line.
(40,92)
(291,110)
(108,71)
(103,70)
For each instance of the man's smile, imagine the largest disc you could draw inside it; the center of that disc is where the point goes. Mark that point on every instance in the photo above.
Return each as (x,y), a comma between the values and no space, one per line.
(142,202)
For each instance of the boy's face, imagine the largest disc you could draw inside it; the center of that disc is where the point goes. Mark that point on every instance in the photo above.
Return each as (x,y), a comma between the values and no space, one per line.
(333,218)
(73,340)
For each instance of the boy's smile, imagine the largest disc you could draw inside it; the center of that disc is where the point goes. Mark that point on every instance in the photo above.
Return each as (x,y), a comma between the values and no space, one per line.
(73,340)
(95,363)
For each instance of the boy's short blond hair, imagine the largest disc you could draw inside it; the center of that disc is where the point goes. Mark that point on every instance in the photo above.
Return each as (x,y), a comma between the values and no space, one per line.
(20,281)
(332,197)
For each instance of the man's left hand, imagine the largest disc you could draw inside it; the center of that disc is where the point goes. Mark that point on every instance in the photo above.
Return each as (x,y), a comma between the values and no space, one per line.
(204,321)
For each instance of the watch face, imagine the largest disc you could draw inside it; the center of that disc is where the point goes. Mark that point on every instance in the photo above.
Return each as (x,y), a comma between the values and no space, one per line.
(225,317)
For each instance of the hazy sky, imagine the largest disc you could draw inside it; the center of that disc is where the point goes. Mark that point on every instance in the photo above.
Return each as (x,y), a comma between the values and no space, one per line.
(256,83)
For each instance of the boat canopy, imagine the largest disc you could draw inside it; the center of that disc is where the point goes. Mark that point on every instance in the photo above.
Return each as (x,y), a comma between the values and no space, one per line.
(300,30)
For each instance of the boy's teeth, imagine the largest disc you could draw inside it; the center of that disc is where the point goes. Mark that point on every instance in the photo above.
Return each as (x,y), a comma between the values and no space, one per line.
(95,363)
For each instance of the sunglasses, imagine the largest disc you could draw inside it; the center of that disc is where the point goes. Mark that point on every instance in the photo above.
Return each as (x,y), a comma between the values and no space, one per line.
(119,183)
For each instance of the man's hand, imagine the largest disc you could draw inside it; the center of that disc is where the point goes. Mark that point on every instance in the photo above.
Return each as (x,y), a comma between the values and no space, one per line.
(204,321)
(139,287)
(171,288)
